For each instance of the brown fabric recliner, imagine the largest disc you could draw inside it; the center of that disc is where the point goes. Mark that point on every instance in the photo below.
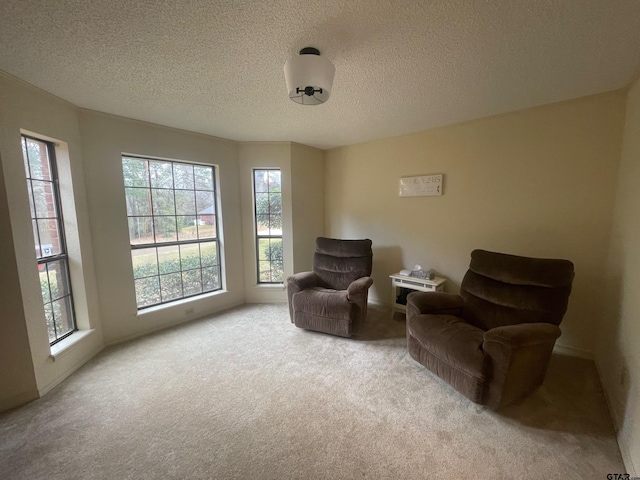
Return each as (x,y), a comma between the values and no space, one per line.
(493,342)
(334,295)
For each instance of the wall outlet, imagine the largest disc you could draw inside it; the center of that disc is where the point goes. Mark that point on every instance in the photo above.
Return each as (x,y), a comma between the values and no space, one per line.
(189,311)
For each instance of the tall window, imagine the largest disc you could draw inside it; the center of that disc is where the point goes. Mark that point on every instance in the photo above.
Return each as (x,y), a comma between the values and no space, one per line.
(48,233)
(268,215)
(173,218)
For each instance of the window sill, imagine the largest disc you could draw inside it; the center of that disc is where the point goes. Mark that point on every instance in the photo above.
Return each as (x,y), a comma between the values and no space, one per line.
(182,302)
(63,347)
(270,286)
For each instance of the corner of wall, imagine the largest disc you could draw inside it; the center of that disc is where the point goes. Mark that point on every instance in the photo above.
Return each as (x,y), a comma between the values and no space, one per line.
(308,203)
(617,357)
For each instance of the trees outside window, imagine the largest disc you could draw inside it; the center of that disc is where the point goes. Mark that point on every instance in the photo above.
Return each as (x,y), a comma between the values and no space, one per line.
(48,233)
(267,188)
(173,229)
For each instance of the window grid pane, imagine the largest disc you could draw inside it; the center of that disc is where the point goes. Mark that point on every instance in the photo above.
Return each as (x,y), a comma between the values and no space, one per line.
(48,234)
(172,217)
(268,224)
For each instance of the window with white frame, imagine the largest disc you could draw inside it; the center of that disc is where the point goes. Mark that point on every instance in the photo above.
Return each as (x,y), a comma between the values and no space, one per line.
(267,192)
(49,236)
(172,213)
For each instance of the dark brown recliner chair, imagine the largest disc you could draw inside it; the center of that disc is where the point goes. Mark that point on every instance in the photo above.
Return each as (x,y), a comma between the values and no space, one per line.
(492,342)
(334,295)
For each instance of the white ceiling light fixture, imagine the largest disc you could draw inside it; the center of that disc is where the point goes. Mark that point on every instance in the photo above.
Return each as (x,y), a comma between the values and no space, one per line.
(309,77)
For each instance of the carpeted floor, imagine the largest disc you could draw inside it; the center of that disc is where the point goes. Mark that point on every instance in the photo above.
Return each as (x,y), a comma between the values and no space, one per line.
(246,395)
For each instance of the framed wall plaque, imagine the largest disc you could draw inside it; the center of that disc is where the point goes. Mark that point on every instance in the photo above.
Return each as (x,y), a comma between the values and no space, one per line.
(421,186)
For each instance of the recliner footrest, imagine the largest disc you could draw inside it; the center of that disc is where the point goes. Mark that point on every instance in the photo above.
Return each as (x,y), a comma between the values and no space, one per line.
(323,310)
(453,352)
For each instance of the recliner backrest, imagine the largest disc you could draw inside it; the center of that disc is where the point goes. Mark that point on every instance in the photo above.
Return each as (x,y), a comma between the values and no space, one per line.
(500,289)
(340,262)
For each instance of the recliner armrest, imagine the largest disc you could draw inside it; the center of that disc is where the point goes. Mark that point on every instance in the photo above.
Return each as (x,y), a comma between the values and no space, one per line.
(519,358)
(359,287)
(522,335)
(302,281)
(298,282)
(419,303)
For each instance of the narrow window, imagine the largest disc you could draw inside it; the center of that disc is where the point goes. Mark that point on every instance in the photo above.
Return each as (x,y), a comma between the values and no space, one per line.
(48,233)
(173,229)
(268,217)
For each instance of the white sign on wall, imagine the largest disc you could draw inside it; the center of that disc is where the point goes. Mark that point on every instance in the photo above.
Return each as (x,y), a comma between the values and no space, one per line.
(424,185)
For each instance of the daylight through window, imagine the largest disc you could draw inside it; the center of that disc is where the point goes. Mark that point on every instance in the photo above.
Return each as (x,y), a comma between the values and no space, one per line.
(173,229)
(268,222)
(48,233)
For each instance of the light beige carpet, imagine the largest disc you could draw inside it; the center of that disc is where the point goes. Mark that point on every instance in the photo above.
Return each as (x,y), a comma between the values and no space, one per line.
(246,395)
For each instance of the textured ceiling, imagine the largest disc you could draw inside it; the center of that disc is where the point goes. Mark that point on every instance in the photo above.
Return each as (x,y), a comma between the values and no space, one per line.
(215,67)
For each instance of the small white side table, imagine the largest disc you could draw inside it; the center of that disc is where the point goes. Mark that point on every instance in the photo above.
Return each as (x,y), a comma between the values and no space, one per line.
(412,283)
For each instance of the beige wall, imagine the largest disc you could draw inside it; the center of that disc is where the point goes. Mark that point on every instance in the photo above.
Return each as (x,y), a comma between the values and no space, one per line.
(17,378)
(307,190)
(618,354)
(105,138)
(538,182)
(25,108)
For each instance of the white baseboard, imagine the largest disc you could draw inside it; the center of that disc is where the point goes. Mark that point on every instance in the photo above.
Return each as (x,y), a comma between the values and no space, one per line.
(573,352)
(64,374)
(179,321)
(617,418)
(18,400)
(626,458)
(378,302)
(273,301)
(266,294)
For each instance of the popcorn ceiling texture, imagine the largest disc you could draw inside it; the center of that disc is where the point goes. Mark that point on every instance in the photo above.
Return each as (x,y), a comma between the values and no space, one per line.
(215,67)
